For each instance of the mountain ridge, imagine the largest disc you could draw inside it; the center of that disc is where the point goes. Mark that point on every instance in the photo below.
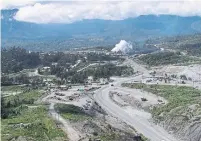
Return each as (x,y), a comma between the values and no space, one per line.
(97,32)
(142,25)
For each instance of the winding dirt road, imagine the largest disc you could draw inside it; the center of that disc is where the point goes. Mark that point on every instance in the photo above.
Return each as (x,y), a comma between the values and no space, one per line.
(140,123)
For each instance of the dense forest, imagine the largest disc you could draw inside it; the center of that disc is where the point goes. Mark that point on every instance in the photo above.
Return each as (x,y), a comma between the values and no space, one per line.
(16,59)
(192,48)
(62,65)
(100,57)
(100,71)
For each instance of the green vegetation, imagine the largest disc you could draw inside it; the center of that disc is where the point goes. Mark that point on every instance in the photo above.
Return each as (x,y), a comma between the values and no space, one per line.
(165,58)
(11,105)
(101,57)
(109,137)
(72,113)
(63,59)
(32,124)
(191,44)
(27,97)
(21,118)
(108,70)
(16,59)
(134,85)
(76,114)
(11,88)
(99,71)
(119,136)
(59,64)
(191,48)
(179,98)
(75,117)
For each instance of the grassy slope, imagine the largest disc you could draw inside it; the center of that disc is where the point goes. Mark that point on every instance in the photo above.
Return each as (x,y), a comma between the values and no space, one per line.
(179,98)
(11,88)
(38,125)
(72,113)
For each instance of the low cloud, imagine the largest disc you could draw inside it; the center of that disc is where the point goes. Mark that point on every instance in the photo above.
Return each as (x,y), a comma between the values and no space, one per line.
(69,12)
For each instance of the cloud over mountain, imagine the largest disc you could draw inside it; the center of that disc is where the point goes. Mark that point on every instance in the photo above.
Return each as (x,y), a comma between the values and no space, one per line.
(71,11)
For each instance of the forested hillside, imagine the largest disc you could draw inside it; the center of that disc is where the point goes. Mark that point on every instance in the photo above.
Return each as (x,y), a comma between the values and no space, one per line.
(16,59)
(190,44)
(166,58)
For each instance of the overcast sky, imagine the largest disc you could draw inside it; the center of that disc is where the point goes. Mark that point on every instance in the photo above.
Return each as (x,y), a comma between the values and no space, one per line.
(71,11)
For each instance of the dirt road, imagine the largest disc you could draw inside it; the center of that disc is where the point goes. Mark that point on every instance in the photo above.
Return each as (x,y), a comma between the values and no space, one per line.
(137,119)
(73,135)
(139,122)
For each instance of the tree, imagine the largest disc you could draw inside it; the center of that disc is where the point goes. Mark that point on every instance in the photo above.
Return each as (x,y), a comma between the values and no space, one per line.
(16,59)
(183,77)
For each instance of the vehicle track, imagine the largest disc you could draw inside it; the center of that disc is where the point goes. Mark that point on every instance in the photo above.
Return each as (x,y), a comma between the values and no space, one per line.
(142,125)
